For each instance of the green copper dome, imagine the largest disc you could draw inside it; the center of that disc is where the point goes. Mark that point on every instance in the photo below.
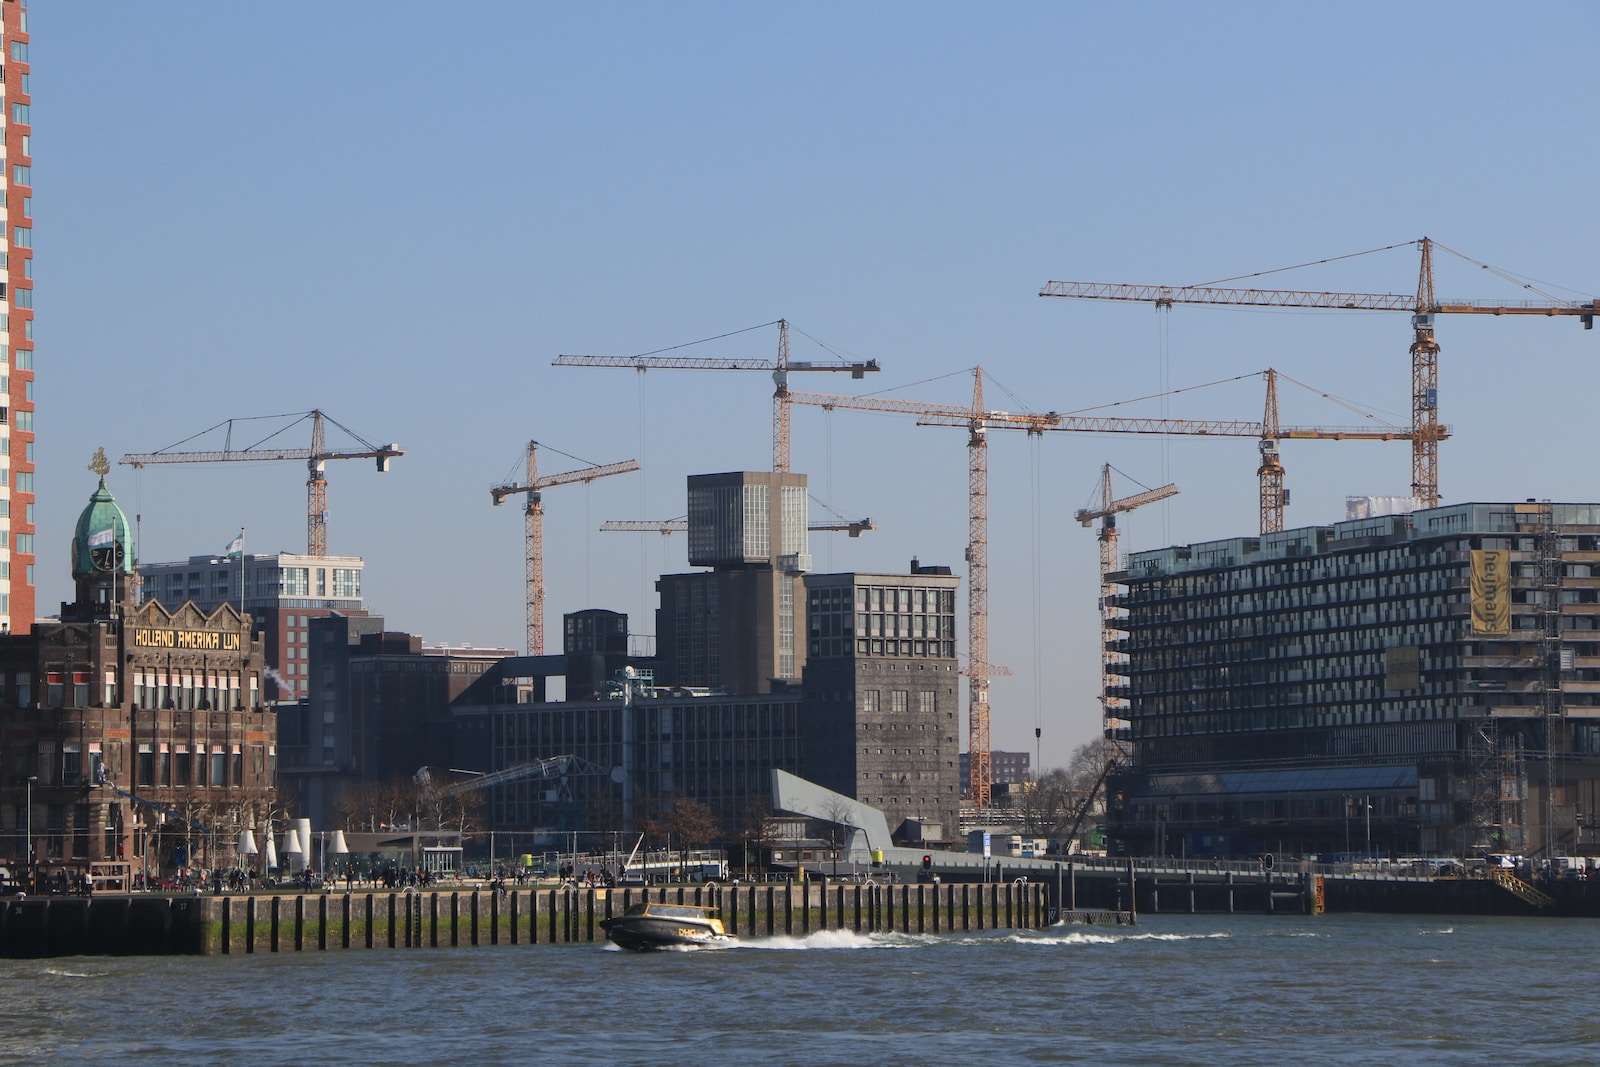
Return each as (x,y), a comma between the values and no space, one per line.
(102,544)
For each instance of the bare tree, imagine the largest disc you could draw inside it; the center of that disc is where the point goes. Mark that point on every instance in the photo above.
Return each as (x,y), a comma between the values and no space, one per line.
(759,830)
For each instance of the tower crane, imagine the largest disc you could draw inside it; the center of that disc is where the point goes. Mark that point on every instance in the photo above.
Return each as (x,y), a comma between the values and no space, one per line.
(1268,432)
(976,421)
(316,458)
(1107,513)
(779,368)
(533,529)
(666,527)
(1425,428)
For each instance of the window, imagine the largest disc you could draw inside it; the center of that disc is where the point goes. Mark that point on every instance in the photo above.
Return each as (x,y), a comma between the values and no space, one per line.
(27,144)
(346,580)
(218,765)
(19,51)
(22,236)
(25,544)
(23,420)
(296,580)
(23,298)
(21,175)
(24,359)
(19,114)
(146,767)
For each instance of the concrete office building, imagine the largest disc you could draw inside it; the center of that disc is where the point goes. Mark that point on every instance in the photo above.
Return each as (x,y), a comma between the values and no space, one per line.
(882,695)
(1413,684)
(750,529)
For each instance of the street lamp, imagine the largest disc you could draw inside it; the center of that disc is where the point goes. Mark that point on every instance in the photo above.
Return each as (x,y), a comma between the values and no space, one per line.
(29,830)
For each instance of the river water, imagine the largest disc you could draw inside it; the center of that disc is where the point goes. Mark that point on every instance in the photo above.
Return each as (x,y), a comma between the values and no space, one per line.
(1172,990)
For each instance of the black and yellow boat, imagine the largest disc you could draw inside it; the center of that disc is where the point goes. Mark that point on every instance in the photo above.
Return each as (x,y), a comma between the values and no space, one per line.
(658,925)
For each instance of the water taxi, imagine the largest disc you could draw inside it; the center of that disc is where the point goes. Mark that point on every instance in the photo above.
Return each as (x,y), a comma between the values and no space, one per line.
(657,925)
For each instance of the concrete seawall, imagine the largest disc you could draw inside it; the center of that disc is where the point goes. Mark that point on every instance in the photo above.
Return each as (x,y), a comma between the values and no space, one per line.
(241,924)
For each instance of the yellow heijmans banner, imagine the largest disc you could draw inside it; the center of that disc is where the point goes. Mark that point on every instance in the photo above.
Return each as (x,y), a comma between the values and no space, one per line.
(1491,592)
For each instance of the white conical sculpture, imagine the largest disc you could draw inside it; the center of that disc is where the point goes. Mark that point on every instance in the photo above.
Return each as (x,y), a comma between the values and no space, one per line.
(339,846)
(302,829)
(291,844)
(272,851)
(247,842)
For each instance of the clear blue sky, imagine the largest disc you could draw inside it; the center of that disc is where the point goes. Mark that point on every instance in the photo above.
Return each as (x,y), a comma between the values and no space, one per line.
(402,212)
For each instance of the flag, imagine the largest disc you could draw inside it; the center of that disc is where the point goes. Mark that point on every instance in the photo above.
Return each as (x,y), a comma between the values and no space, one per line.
(102,537)
(235,547)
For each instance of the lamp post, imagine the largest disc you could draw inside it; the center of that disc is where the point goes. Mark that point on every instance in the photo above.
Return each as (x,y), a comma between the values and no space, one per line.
(1367,800)
(1347,798)
(29,829)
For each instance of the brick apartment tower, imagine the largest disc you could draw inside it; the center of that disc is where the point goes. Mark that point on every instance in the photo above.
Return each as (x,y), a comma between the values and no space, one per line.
(16,330)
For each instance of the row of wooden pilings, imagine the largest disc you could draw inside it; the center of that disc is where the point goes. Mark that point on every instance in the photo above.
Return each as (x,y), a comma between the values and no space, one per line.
(242,924)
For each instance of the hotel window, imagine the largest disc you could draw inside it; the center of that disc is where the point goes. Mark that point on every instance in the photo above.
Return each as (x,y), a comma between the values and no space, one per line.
(19,51)
(23,420)
(22,236)
(23,298)
(19,114)
(146,766)
(24,360)
(184,767)
(21,175)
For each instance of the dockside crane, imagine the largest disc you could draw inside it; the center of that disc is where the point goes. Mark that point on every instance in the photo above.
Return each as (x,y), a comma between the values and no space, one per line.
(1113,707)
(316,458)
(780,369)
(533,529)
(1426,431)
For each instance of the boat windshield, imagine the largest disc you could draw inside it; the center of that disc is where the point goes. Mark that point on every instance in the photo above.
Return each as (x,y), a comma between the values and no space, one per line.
(677,911)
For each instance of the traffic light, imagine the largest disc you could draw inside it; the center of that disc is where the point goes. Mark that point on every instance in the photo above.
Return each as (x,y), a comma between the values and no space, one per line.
(927,863)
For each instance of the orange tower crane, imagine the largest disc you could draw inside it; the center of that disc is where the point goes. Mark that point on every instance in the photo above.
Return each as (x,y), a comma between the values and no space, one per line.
(1113,707)
(533,529)
(1425,428)
(978,671)
(316,458)
(779,368)
(977,422)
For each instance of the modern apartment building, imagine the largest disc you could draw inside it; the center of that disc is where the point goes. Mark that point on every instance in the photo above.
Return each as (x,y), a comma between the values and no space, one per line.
(1405,684)
(282,592)
(17,607)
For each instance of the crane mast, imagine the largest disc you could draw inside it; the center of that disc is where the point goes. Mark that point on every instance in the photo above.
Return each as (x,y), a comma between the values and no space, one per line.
(533,530)
(1112,706)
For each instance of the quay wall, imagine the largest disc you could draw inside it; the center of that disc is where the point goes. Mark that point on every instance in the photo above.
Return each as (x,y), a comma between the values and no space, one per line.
(228,924)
